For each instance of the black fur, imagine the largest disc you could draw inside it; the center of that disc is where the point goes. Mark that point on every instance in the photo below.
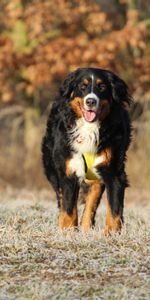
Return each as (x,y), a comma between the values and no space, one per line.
(115,132)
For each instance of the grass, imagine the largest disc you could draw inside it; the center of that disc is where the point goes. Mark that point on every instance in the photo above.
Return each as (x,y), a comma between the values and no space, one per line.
(38,262)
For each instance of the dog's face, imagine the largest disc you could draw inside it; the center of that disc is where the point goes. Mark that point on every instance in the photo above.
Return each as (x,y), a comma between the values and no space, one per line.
(91,92)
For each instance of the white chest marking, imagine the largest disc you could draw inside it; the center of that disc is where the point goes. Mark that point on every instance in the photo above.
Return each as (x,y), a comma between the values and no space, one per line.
(77,166)
(85,136)
(99,160)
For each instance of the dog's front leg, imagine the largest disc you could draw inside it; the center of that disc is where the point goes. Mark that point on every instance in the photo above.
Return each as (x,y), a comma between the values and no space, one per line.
(115,187)
(68,216)
(70,184)
(93,197)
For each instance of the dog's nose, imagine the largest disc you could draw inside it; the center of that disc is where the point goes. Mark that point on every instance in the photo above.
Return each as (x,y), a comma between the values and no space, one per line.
(90,102)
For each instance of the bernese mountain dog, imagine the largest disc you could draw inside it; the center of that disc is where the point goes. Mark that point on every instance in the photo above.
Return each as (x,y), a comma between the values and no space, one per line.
(87,136)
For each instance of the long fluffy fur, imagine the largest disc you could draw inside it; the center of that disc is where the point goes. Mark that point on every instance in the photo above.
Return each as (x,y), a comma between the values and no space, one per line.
(113,132)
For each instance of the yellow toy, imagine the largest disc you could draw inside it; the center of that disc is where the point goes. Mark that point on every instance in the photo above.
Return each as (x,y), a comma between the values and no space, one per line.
(89,158)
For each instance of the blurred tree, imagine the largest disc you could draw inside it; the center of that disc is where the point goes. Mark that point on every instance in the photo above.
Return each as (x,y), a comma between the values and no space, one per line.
(42,40)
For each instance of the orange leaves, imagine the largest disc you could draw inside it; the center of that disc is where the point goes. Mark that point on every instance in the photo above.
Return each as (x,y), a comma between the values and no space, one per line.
(136,36)
(37,74)
(97,23)
(44,40)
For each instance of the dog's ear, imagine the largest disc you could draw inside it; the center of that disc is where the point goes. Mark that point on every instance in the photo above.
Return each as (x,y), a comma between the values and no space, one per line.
(69,84)
(119,88)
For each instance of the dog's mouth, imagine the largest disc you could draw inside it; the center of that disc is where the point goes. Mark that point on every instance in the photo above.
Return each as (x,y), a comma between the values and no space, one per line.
(89,115)
(90,107)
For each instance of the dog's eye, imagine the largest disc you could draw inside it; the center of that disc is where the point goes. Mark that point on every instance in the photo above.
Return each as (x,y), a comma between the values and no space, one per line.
(102,87)
(84,86)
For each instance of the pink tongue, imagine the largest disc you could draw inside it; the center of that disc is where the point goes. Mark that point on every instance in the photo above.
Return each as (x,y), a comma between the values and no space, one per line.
(89,115)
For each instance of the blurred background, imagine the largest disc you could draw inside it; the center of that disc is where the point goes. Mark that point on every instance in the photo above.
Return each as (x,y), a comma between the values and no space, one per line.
(40,42)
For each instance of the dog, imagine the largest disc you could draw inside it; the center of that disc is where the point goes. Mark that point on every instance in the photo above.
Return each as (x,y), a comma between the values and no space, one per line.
(87,136)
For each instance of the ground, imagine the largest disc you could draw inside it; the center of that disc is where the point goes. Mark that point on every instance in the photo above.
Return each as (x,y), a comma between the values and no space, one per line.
(38,262)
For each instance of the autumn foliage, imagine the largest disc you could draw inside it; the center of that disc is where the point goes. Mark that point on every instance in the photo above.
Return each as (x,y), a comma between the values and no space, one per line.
(40,42)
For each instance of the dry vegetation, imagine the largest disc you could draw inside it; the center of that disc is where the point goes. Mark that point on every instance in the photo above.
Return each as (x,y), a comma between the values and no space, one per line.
(38,262)
(40,42)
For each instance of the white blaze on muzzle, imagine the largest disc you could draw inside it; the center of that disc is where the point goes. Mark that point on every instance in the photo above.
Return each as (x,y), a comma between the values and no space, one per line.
(91,96)
(90,112)
(90,109)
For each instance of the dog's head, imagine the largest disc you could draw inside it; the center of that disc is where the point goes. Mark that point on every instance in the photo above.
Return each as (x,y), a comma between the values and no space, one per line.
(91,92)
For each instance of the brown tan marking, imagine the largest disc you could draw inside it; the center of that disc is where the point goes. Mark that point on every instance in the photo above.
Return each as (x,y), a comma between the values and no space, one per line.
(98,81)
(68,170)
(105,109)
(108,155)
(67,220)
(113,224)
(86,81)
(104,157)
(76,105)
(91,203)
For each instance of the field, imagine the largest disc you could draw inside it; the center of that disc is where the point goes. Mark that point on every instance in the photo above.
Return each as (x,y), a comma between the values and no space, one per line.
(41,41)
(38,262)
